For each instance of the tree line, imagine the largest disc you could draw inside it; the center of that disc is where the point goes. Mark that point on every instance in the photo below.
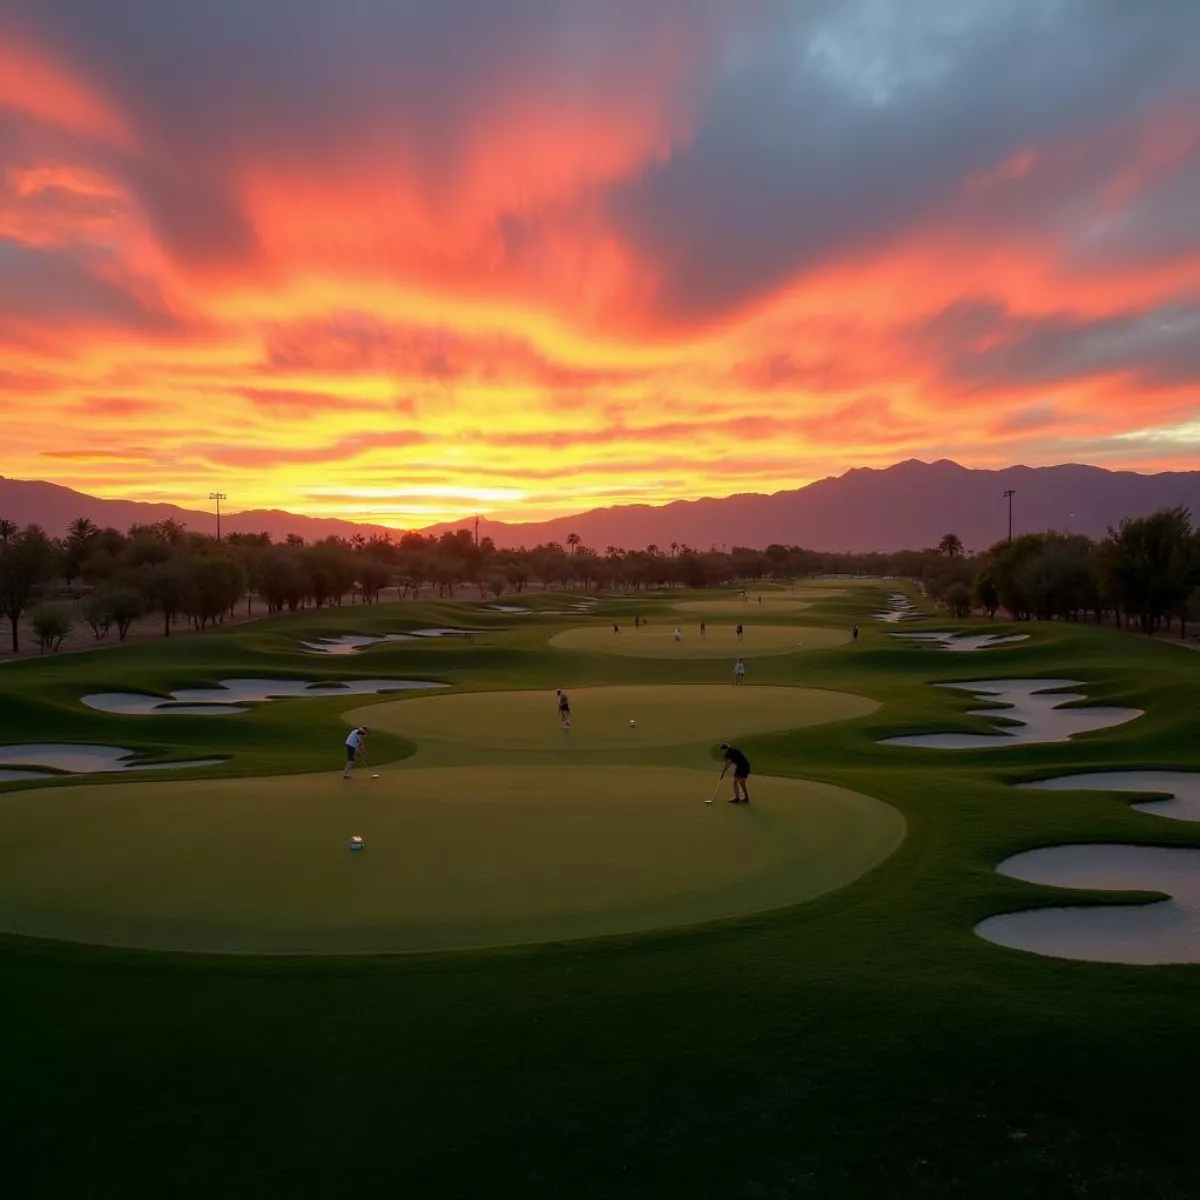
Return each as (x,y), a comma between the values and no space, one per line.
(1145,575)
(1145,572)
(107,580)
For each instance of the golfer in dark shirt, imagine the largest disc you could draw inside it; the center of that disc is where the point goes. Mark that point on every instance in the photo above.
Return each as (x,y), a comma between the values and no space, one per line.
(741,772)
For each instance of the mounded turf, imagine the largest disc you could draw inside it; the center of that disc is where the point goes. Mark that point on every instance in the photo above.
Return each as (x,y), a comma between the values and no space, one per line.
(720,640)
(600,716)
(455,857)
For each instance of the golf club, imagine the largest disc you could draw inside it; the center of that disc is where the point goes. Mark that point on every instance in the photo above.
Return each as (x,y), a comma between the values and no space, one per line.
(367,764)
(713,797)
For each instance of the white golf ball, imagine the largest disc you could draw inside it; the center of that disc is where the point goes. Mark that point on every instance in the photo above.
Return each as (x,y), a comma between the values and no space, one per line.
(632,724)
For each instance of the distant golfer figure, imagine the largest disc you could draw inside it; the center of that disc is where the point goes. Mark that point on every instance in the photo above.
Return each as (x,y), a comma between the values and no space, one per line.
(739,633)
(854,635)
(616,627)
(637,622)
(564,709)
(741,772)
(739,672)
(355,743)
(677,634)
(703,628)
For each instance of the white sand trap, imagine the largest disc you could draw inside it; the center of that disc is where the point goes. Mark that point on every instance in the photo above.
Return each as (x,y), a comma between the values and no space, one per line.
(352,643)
(1042,717)
(899,608)
(1165,931)
(1183,788)
(964,642)
(233,694)
(444,631)
(508,608)
(79,759)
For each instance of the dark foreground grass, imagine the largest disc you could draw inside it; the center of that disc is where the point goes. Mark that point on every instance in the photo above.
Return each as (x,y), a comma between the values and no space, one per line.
(865,1044)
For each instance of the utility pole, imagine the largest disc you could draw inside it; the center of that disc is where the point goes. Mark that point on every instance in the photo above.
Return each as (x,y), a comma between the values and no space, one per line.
(1009,493)
(476,531)
(218,497)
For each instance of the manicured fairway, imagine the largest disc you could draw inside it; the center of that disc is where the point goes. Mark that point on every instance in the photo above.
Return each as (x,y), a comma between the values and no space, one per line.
(719,641)
(600,716)
(862,1043)
(454,857)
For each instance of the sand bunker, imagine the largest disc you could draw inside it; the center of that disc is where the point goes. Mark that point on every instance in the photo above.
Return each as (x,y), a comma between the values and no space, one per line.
(1166,931)
(1040,715)
(899,608)
(960,642)
(233,694)
(79,759)
(1182,788)
(351,643)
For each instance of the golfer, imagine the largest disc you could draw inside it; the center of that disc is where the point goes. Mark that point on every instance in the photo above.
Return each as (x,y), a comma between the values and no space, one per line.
(355,744)
(741,772)
(703,628)
(677,634)
(739,672)
(739,633)
(564,709)
(854,635)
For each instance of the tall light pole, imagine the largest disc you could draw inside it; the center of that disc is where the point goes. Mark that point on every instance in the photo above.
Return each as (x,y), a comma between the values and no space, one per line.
(1009,493)
(218,497)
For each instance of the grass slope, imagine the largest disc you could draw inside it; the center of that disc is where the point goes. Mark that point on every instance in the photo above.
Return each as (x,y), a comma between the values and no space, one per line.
(866,1043)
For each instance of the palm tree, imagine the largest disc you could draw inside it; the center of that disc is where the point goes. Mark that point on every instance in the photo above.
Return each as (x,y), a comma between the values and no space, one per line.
(81,530)
(950,545)
(674,549)
(8,529)
(574,540)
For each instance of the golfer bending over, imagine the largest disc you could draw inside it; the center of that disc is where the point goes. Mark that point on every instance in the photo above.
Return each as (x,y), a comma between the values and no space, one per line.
(355,743)
(741,772)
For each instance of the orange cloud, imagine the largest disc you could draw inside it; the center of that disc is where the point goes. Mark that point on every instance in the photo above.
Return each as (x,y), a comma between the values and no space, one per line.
(49,92)
(528,264)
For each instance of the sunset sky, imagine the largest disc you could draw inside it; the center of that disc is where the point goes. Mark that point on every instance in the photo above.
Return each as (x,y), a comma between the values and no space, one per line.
(402,261)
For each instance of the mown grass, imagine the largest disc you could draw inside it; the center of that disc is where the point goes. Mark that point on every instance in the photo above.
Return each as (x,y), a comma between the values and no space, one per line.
(864,1044)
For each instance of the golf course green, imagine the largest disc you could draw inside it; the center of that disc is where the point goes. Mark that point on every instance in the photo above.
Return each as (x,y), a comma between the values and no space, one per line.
(624,718)
(471,856)
(554,970)
(773,603)
(718,641)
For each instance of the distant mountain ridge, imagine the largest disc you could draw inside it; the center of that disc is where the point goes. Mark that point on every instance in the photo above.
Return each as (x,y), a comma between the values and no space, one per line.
(54,507)
(905,506)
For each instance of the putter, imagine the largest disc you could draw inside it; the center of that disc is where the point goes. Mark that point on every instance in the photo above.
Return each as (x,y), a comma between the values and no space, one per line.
(712,799)
(366,763)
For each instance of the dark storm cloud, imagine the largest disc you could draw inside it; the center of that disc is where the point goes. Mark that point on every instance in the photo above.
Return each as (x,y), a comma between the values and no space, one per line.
(850,127)
(818,130)
(56,288)
(982,345)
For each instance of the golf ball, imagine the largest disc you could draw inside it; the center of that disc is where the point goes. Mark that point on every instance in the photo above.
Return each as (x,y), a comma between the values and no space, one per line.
(632,724)
(356,843)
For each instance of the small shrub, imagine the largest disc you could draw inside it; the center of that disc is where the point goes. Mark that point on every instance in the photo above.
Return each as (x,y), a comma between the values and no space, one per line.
(51,623)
